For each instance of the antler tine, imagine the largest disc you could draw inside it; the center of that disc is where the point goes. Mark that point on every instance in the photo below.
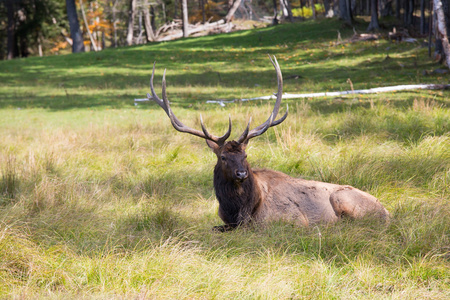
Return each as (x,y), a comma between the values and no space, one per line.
(277,122)
(247,135)
(172,117)
(163,103)
(219,140)
(177,124)
(280,86)
(153,96)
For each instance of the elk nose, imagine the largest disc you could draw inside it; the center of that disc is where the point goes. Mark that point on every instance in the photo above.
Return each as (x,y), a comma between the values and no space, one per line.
(241,174)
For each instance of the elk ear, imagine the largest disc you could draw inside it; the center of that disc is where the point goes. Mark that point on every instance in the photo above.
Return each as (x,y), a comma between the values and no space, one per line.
(213,146)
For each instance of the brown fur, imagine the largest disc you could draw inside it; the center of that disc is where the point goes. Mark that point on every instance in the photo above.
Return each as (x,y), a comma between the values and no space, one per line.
(267,195)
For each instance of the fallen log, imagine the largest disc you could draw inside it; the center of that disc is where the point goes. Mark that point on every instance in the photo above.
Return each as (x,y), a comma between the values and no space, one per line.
(341,93)
(385,89)
(173,30)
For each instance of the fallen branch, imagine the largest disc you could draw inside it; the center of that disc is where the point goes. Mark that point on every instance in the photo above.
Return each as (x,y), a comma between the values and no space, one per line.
(335,94)
(173,30)
(385,89)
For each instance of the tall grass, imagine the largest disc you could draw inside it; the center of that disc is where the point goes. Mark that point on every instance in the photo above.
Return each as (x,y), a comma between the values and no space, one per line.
(8,182)
(103,199)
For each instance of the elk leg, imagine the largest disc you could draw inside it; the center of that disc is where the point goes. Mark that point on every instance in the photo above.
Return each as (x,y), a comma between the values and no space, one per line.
(355,204)
(223,228)
(227,226)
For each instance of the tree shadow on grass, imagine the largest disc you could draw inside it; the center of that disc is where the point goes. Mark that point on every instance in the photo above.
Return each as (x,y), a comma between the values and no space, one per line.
(116,90)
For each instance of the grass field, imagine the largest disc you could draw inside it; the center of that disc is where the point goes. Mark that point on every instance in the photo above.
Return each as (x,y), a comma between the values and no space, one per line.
(103,199)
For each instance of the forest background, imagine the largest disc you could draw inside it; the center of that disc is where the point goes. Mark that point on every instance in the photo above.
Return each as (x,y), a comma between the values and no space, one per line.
(44,27)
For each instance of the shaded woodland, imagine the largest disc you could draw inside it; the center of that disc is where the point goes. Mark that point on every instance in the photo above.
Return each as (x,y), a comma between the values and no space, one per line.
(45,27)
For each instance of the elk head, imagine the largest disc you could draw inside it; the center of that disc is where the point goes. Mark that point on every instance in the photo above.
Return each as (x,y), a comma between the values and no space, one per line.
(231,156)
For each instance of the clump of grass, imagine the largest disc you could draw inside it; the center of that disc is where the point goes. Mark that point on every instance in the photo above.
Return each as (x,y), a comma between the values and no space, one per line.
(24,263)
(9,181)
(163,219)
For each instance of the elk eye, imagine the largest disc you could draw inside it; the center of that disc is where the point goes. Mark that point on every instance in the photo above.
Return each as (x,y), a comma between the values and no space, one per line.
(223,158)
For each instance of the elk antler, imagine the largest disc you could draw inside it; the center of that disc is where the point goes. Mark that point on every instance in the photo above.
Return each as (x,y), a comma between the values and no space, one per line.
(248,134)
(164,103)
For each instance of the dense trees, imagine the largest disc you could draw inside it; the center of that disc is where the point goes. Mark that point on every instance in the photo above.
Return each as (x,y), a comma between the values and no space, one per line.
(37,27)
(26,25)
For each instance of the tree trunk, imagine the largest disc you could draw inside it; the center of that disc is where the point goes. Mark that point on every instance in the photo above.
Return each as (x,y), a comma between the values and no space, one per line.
(148,24)
(411,12)
(103,40)
(374,25)
(326,5)
(441,28)
(114,25)
(313,8)
(39,40)
(408,11)
(184,8)
(23,42)
(140,29)
(397,9)
(430,28)
(21,28)
(152,17)
(202,4)
(131,17)
(11,44)
(275,13)
(75,32)
(232,10)
(422,16)
(385,8)
(285,7)
(345,11)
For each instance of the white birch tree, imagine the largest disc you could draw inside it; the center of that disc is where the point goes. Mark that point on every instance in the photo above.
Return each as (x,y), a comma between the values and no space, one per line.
(441,28)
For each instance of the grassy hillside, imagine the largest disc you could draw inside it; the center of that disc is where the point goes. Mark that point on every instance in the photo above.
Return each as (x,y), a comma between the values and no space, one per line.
(100,198)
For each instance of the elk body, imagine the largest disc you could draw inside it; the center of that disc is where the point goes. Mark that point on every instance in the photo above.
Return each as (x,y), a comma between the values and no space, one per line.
(249,195)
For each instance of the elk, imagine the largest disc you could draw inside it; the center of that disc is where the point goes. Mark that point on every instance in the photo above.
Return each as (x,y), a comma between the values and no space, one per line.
(260,196)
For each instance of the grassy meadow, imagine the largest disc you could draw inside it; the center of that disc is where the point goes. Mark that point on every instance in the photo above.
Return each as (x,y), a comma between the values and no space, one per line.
(103,199)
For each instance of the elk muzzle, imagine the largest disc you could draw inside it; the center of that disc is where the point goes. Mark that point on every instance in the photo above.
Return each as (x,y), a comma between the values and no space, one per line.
(241,175)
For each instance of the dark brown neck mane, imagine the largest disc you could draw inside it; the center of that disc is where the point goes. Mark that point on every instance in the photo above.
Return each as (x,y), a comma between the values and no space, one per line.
(238,200)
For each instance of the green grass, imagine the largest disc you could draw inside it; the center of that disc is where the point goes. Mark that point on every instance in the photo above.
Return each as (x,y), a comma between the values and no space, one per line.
(103,199)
